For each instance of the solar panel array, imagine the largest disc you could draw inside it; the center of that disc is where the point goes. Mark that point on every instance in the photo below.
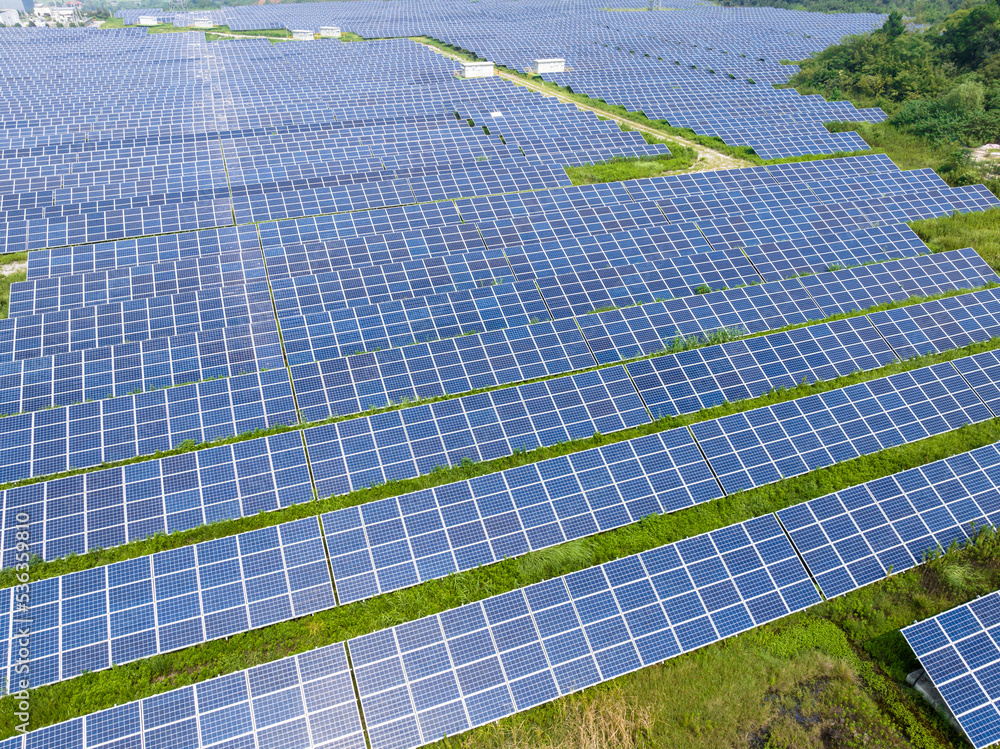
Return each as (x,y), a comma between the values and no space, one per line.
(281,238)
(959,652)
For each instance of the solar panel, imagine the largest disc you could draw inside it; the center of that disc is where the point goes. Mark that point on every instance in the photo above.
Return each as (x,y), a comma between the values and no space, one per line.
(108,508)
(959,653)
(766,444)
(301,700)
(862,534)
(130,368)
(32,336)
(353,384)
(383,546)
(367,451)
(135,282)
(90,434)
(469,666)
(689,381)
(87,621)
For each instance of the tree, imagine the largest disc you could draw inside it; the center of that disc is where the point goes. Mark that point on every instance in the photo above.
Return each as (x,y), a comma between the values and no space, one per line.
(894,25)
(969,37)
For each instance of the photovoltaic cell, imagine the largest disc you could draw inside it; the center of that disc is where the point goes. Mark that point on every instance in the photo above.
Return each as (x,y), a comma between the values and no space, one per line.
(303,700)
(390,544)
(371,450)
(89,434)
(959,652)
(767,444)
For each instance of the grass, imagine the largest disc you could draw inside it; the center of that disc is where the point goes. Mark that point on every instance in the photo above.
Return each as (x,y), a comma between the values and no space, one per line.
(620,169)
(979,230)
(6,281)
(906,151)
(95,691)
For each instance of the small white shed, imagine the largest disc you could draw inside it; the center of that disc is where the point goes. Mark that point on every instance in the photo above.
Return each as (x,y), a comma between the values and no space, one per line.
(303,35)
(478,69)
(329,32)
(550,65)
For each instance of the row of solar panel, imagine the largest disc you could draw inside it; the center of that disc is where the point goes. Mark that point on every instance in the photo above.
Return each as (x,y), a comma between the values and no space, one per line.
(81,259)
(479,427)
(472,665)
(523,648)
(67,291)
(100,372)
(619,334)
(743,450)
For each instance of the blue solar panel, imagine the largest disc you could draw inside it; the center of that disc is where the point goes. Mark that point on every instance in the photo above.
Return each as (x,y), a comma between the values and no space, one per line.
(363,452)
(90,620)
(764,445)
(301,700)
(146,250)
(859,535)
(390,544)
(352,384)
(32,336)
(449,672)
(90,434)
(701,378)
(135,282)
(940,325)
(103,509)
(128,368)
(958,650)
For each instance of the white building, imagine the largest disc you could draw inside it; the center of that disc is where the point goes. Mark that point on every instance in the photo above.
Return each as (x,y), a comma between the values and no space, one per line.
(329,32)
(550,65)
(55,13)
(478,69)
(9,16)
(302,35)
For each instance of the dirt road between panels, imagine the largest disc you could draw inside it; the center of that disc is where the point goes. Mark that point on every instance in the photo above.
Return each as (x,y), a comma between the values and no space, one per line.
(708,158)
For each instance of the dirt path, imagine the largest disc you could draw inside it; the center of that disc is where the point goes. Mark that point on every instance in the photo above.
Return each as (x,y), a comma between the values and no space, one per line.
(16,267)
(708,158)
